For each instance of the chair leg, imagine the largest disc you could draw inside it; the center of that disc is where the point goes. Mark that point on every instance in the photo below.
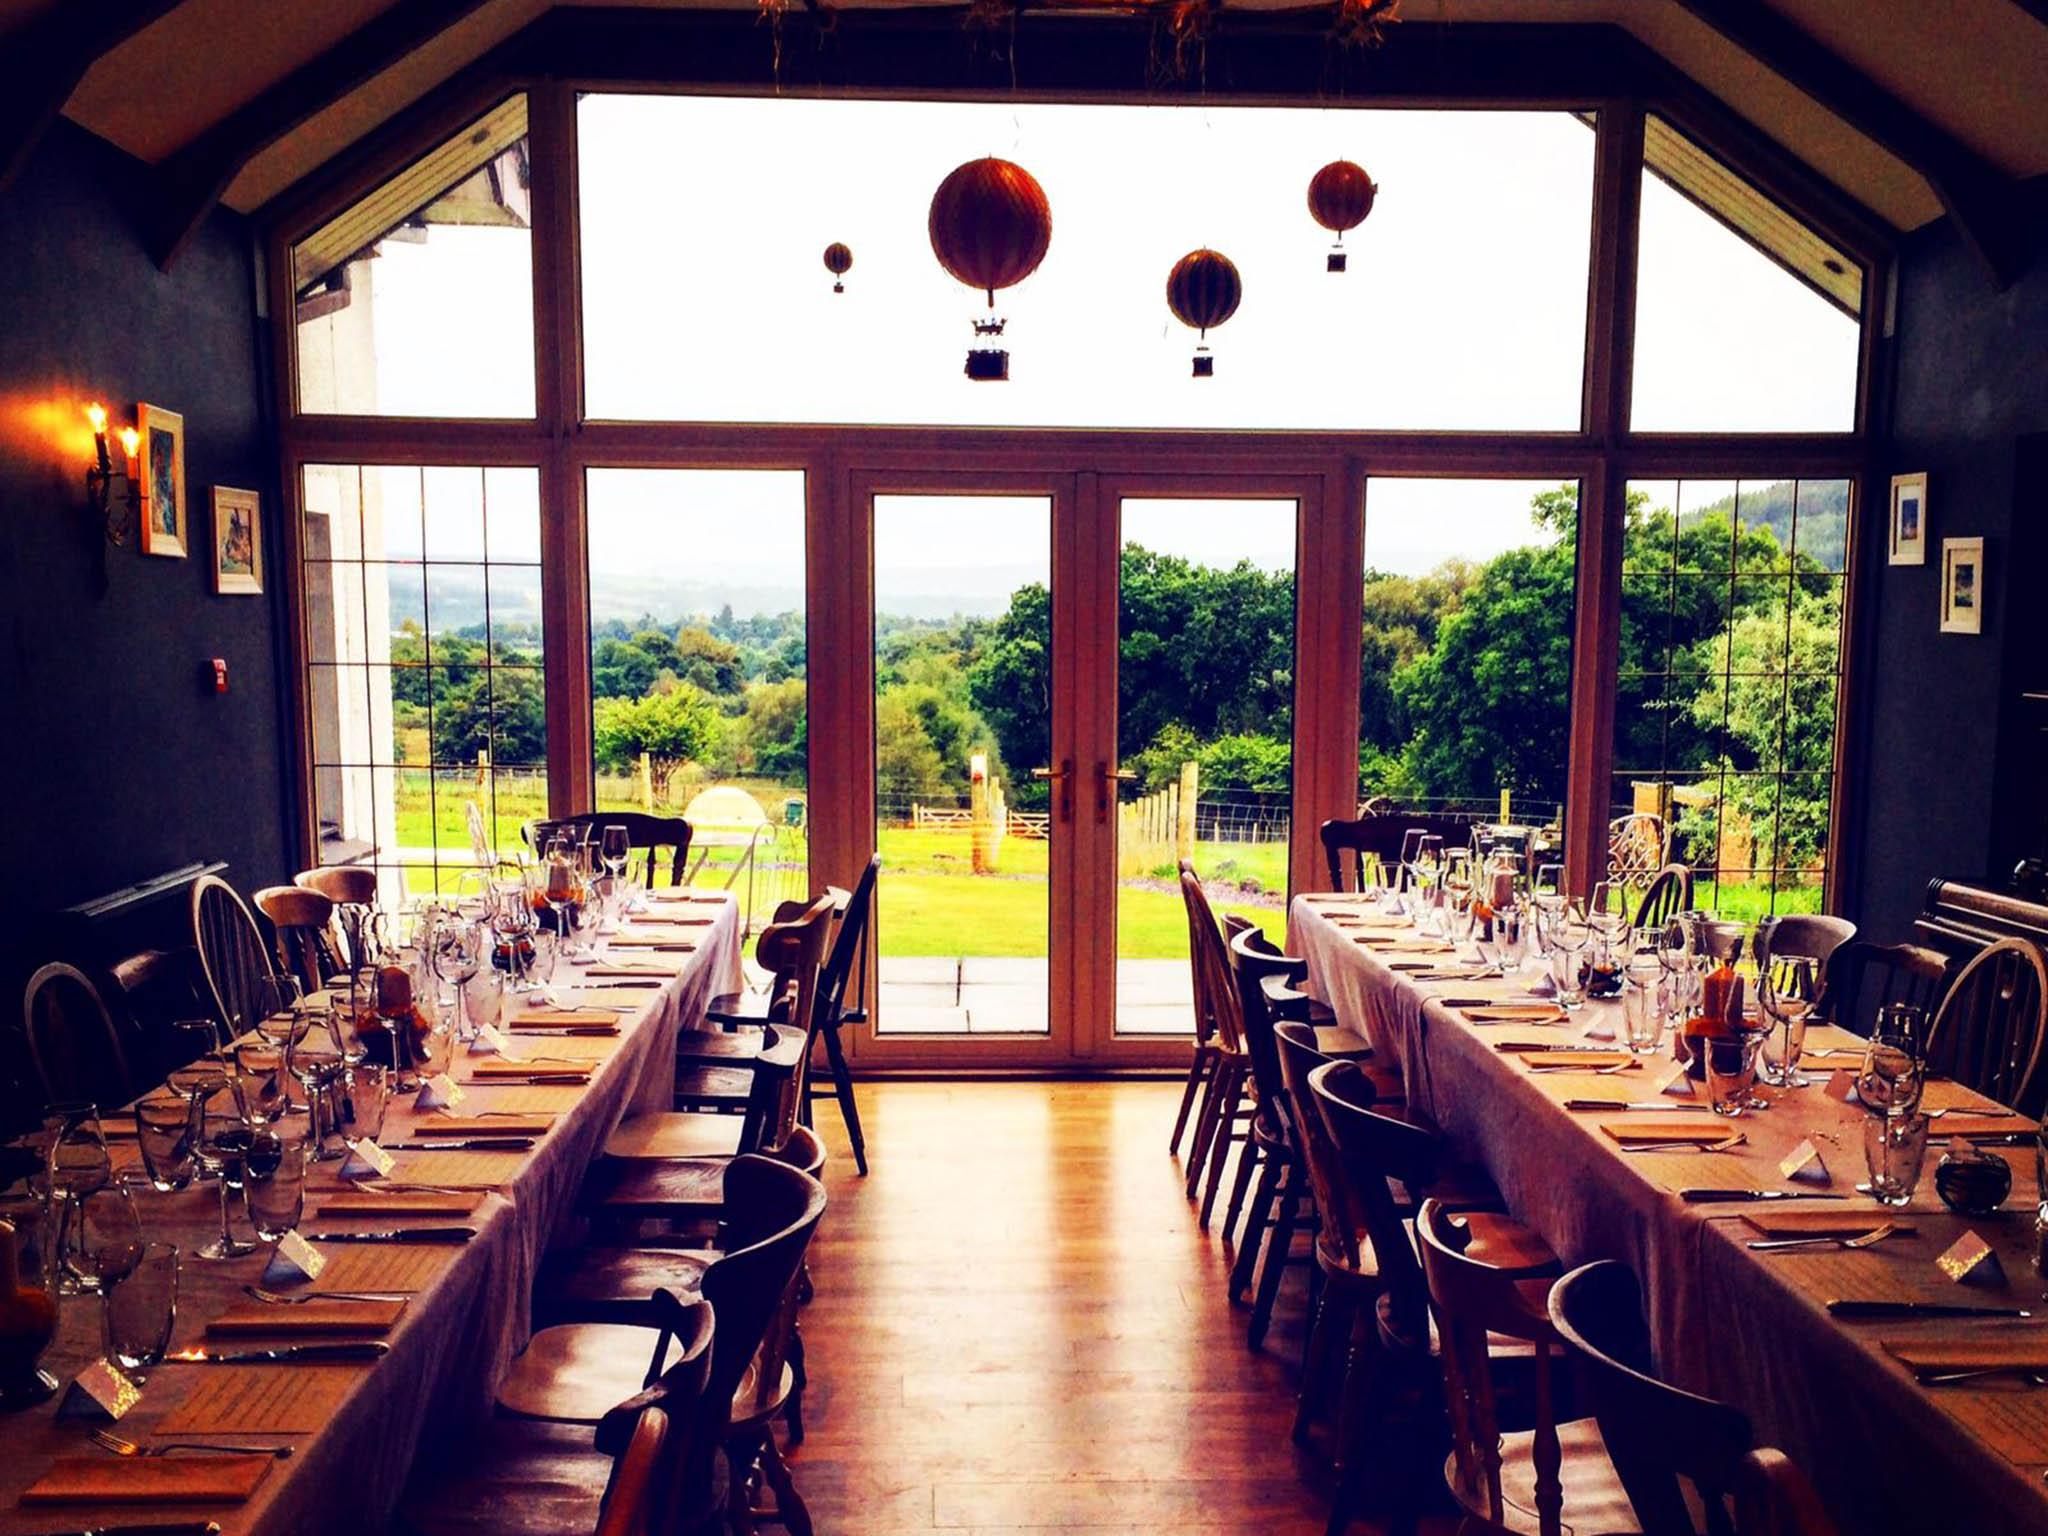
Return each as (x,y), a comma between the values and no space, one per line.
(842,1089)
(1256,1220)
(1205,1127)
(1197,1072)
(1329,1341)
(793,1412)
(1250,1159)
(1279,1242)
(791,1513)
(1220,1137)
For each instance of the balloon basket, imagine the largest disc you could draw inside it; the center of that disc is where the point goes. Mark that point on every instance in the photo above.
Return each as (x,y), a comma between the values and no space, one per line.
(988,365)
(1205,365)
(1335,262)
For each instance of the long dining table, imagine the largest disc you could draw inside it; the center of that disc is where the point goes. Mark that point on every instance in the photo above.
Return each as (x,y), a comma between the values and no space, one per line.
(1749,1327)
(355,1430)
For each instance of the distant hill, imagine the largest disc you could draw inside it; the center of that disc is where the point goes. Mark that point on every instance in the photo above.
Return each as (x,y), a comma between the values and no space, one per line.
(1822,515)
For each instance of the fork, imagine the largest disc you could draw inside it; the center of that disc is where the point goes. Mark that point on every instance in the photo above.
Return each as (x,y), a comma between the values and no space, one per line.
(111,1442)
(1869,1239)
(2025,1374)
(1619,1066)
(1725,1144)
(285,1299)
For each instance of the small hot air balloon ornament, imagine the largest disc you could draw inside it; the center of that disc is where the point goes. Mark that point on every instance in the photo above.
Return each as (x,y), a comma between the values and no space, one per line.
(1340,195)
(839,262)
(990,226)
(1203,290)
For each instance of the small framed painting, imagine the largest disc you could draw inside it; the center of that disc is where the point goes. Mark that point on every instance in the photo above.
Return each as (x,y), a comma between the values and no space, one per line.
(1909,519)
(163,481)
(237,541)
(1962,586)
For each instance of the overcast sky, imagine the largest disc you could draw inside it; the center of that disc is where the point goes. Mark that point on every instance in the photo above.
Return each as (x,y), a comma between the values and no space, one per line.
(705,299)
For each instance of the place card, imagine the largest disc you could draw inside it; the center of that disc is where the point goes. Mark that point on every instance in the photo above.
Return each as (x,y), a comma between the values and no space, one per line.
(366,1160)
(315,1317)
(101,1391)
(462,1170)
(400,1202)
(439,1092)
(219,1479)
(1842,1087)
(1969,1260)
(294,1259)
(1677,1082)
(297,1399)
(383,1267)
(489,1042)
(1804,1163)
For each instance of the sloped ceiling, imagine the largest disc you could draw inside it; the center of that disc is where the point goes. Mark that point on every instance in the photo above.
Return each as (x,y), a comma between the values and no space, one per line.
(1976,68)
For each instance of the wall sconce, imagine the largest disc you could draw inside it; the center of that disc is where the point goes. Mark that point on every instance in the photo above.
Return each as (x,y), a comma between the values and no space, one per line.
(111,488)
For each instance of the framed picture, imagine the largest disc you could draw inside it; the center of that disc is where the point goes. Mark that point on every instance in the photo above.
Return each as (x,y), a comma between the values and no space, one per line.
(163,481)
(237,541)
(1962,586)
(1909,519)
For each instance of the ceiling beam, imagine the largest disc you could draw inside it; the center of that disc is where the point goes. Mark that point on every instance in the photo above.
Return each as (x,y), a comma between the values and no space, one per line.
(42,63)
(1981,199)
(188,184)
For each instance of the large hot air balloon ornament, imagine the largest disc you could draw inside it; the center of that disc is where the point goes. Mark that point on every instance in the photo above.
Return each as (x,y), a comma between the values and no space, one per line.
(1340,195)
(1203,290)
(990,225)
(839,262)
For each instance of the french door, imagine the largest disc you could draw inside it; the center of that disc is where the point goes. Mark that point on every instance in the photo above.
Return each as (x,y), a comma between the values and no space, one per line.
(1040,678)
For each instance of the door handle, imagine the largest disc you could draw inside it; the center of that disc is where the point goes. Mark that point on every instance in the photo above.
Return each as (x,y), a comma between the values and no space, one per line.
(1104,777)
(1064,777)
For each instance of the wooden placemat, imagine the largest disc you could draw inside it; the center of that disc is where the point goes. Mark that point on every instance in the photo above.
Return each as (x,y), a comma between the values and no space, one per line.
(1836,1221)
(457,1170)
(1577,1061)
(492,1069)
(382,1266)
(149,1480)
(402,1202)
(307,1318)
(261,1399)
(562,1018)
(525,1098)
(459,1127)
(1655,1130)
(637,941)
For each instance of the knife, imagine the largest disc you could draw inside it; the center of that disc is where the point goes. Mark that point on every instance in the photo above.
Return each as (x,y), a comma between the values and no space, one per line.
(288,1352)
(1642,1106)
(168,1528)
(1873,1311)
(1709,1196)
(476,1144)
(2002,1138)
(1513,1046)
(398,1235)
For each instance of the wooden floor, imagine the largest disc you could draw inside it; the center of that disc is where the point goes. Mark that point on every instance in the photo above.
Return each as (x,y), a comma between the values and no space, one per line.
(1019,1327)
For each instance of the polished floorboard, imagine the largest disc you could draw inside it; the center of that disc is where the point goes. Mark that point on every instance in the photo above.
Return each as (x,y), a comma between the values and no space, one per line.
(1019,1327)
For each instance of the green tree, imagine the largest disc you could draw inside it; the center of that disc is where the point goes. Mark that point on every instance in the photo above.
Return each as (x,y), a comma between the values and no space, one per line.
(501,711)
(619,669)
(773,733)
(706,662)
(673,728)
(906,762)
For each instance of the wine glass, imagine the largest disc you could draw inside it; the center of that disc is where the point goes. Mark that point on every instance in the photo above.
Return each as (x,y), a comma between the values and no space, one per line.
(163,1134)
(274,1184)
(281,1019)
(223,1143)
(1894,1074)
(106,1239)
(1786,989)
(316,1058)
(615,847)
(262,1081)
(138,1311)
(1569,935)
(457,956)
(76,1164)
(194,1044)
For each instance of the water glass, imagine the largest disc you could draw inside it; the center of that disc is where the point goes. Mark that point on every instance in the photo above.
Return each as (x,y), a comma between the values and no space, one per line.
(1894,1150)
(1731,1070)
(1893,1075)
(1642,1013)
(483,998)
(274,1184)
(163,1133)
(1564,973)
(364,1096)
(105,1237)
(260,1075)
(140,1310)
(222,1144)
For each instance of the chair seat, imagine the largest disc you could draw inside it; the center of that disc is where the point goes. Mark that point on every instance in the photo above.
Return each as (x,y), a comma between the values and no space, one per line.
(1595,1503)
(694,1045)
(714,1085)
(752,1411)
(671,1136)
(612,1285)
(1334,1040)
(522,1478)
(579,1372)
(651,1188)
(1504,1243)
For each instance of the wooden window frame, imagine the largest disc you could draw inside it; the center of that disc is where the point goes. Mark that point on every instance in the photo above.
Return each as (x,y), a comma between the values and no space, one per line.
(1603,456)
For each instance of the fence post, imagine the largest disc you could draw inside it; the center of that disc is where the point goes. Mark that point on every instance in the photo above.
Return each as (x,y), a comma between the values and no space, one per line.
(483,768)
(1184,826)
(646,776)
(978,811)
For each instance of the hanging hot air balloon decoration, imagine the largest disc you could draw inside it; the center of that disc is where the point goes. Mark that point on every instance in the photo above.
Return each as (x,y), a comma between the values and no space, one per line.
(1203,290)
(1340,195)
(990,225)
(839,262)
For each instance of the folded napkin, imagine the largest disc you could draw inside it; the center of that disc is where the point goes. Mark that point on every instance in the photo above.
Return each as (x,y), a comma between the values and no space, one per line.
(309,1318)
(631,970)
(1516,1013)
(2024,1346)
(148,1480)
(673,920)
(400,1202)
(564,1018)
(1583,1061)
(652,941)
(1658,1130)
(467,1127)
(1776,1221)
(1996,1123)
(498,1070)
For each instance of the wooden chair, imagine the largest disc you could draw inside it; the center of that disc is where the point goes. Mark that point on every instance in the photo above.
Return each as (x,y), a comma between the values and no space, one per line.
(568,1373)
(1379,838)
(74,1045)
(346,885)
(1658,1437)
(646,835)
(302,920)
(1638,848)
(1987,1031)
(1491,1276)
(232,955)
(735,1035)
(1668,894)
(527,1475)
(1773,1498)
(1862,977)
(1202,1064)
(1224,1118)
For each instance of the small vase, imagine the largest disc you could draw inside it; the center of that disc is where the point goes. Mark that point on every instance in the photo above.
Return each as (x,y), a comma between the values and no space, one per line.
(28,1314)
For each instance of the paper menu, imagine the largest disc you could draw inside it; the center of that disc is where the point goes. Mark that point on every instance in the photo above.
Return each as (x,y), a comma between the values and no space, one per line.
(398,1267)
(261,1399)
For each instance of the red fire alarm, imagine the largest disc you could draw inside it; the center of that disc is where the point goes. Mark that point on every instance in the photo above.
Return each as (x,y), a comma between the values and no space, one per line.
(220,674)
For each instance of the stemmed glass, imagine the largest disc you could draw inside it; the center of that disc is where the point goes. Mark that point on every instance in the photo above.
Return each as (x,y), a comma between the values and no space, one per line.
(457,956)
(1894,1073)
(1642,976)
(280,1019)
(274,1184)
(76,1165)
(317,1056)
(106,1240)
(614,847)
(1569,934)
(222,1145)
(1786,990)
(163,1134)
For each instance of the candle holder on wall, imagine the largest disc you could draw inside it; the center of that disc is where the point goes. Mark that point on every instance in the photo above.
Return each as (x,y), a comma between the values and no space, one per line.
(110,485)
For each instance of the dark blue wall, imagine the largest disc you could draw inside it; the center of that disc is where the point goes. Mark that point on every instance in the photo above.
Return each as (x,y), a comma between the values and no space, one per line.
(118,759)
(1970,382)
